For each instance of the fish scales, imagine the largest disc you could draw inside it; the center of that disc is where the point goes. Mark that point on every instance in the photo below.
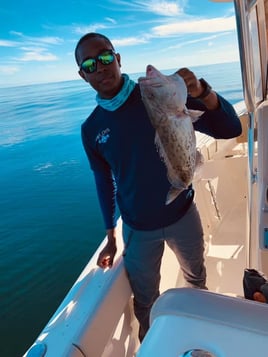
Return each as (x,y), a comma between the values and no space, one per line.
(164,98)
(177,147)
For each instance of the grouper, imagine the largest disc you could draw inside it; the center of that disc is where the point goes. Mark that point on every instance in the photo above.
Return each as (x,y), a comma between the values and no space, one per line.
(165,98)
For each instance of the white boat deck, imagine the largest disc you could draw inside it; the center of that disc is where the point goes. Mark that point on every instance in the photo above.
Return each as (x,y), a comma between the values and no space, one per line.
(221,198)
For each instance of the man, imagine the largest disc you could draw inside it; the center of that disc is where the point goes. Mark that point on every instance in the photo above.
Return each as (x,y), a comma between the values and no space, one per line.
(119,142)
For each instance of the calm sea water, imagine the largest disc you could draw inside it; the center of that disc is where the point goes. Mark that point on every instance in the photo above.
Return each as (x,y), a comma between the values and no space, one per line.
(50,221)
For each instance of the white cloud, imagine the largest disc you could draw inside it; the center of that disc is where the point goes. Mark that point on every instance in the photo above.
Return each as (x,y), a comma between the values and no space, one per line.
(6,43)
(8,69)
(81,30)
(159,7)
(38,56)
(34,48)
(16,33)
(128,41)
(208,39)
(165,8)
(47,40)
(109,19)
(218,26)
(196,26)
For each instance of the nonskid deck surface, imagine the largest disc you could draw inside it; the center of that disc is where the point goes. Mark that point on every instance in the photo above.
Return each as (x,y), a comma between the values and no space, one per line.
(221,197)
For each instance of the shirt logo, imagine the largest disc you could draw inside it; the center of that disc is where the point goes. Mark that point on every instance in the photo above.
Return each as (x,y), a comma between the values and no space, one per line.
(103,136)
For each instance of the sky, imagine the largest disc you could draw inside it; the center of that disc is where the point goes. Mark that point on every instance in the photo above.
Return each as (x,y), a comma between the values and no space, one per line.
(37,38)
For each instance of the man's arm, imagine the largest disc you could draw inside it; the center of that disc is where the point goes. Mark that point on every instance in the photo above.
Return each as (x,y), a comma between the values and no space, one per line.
(219,119)
(196,89)
(106,190)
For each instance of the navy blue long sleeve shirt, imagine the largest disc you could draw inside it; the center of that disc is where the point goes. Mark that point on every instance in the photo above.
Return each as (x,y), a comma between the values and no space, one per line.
(127,168)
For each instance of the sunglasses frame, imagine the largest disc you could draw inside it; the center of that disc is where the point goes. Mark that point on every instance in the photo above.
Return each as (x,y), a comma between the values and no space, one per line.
(98,59)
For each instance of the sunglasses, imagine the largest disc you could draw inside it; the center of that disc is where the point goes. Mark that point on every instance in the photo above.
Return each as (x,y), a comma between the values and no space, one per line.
(90,64)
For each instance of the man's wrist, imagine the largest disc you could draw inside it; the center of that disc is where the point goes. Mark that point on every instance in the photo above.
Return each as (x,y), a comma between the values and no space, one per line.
(111,234)
(206,89)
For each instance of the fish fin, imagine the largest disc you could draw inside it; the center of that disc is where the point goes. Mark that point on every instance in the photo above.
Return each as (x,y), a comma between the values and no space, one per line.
(199,159)
(160,148)
(173,193)
(194,114)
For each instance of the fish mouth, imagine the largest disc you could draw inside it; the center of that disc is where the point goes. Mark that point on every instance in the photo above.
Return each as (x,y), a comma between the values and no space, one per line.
(150,71)
(153,78)
(150,81)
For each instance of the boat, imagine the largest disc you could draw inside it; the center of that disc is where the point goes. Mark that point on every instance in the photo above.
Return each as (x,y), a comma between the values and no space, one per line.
(96,318)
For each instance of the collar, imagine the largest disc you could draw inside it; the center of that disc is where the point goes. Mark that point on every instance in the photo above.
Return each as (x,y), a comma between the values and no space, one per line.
(116,102)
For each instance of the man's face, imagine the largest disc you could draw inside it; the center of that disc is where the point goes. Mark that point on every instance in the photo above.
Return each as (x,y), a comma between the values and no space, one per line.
(106,79)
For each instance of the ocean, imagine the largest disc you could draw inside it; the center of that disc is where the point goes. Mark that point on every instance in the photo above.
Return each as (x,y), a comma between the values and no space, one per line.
(50,218)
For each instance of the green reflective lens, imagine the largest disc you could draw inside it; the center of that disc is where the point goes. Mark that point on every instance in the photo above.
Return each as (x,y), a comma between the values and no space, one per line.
(106,58)
(90,64)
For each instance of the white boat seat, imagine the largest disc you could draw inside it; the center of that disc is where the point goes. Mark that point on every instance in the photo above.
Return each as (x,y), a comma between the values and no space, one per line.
(184,319)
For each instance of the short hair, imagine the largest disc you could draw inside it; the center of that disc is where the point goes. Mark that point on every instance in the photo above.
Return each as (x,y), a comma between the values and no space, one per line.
(88,36)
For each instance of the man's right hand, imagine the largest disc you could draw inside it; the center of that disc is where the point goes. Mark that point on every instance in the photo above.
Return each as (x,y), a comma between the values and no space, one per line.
(106,256)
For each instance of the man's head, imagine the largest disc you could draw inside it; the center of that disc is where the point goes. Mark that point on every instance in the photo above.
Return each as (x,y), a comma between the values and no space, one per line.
(99,65)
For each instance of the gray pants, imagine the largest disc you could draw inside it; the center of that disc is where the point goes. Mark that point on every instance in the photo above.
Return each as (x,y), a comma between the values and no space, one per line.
(143,253)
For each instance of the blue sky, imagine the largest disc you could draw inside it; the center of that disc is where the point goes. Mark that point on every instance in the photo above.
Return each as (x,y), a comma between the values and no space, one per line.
(37,38)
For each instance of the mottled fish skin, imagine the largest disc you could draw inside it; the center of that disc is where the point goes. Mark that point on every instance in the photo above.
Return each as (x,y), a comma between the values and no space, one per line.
(164,98)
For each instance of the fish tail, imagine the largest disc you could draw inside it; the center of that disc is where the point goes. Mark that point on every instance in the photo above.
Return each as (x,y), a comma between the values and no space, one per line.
(194,114)
(199,159)
(173,193)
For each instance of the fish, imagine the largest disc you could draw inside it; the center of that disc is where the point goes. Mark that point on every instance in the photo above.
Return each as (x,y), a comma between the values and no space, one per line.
(164,97)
